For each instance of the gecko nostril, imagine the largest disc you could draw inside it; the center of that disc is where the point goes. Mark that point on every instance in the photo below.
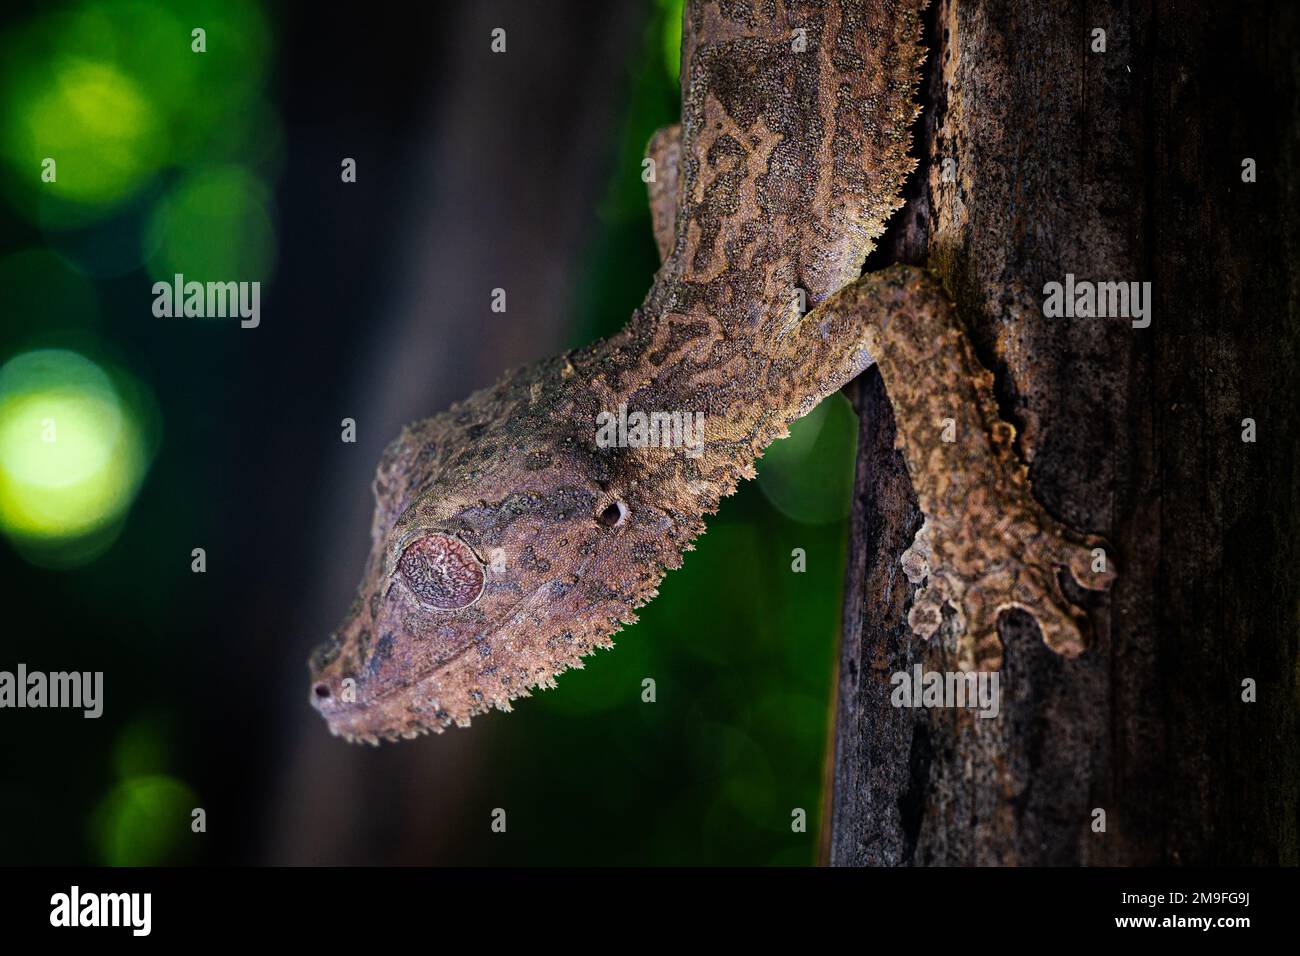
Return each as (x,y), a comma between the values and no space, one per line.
(322,690)
(613,515)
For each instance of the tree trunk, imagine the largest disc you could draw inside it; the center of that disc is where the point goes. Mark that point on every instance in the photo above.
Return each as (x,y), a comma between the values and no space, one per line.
(1041,156)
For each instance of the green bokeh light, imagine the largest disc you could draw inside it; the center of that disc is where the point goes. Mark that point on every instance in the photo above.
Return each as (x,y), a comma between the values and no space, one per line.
(143,747)
(233,70)
(809,475)
(214,224)
(142,40)
(72,453)
(145,821)
(146,818)
(114,93)
(97,124)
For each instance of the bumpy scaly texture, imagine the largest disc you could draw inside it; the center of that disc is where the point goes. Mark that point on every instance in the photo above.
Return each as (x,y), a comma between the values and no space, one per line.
(986,545)
(665,150)
(507,543)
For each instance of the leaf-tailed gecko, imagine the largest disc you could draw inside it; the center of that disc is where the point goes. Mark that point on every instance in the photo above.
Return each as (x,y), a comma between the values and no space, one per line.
(507,543)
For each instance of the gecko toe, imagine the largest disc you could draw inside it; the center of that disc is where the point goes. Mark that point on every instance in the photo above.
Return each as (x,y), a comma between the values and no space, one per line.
(926,614)
(1090,562)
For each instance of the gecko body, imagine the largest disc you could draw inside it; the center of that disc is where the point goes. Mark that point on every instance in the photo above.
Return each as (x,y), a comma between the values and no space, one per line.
(508,543)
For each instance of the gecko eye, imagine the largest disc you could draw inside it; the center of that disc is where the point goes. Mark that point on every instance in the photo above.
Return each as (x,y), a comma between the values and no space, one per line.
(442,571)
(612,516)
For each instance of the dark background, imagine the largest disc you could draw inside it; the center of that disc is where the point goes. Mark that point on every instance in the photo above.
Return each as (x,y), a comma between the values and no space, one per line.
(475,171)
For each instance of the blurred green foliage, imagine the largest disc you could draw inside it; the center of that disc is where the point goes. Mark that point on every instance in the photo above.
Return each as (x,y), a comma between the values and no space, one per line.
(114,92)
(126,140)
(75,441)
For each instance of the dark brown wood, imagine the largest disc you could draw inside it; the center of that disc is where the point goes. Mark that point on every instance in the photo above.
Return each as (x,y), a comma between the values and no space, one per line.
(1117,166)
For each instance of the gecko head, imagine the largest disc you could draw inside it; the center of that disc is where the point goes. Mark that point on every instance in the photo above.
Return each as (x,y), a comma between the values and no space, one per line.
(486,582)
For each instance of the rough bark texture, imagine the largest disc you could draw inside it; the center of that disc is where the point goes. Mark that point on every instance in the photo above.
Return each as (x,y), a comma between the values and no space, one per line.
(1123,165)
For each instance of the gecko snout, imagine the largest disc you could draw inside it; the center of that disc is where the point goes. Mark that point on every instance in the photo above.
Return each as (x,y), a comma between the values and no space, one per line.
(328,696)
(336,700)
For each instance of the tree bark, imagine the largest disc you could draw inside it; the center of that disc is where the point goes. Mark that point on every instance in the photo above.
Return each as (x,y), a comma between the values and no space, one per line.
(1124,165)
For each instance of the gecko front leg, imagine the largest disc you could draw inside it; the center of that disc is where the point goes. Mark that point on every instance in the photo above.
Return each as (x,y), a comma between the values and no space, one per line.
(987,545)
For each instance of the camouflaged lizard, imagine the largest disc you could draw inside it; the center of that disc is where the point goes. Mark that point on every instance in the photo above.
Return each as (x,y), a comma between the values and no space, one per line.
(507,544)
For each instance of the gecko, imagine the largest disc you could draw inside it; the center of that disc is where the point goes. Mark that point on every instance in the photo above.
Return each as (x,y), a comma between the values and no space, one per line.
(508,543)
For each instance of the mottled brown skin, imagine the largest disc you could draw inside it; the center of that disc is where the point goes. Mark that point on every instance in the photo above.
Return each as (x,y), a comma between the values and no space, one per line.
(986,546)
(788,166)
(665,150)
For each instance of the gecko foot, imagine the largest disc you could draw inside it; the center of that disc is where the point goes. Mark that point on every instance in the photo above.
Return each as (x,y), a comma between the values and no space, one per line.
(986,545)
(981,568)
